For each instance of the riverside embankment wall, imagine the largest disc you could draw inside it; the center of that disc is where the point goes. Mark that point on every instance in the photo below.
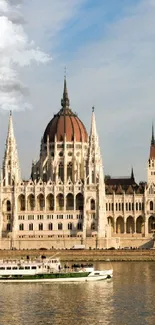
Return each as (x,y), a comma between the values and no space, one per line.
(83,255)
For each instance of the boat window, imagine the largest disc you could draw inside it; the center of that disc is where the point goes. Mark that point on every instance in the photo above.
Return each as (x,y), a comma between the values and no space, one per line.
(8,268)
(33,267)
(2,268)
(15,268)
(27,267)
(21,268)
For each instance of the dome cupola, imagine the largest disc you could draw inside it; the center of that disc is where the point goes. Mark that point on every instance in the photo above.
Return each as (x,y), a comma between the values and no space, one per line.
(65,124)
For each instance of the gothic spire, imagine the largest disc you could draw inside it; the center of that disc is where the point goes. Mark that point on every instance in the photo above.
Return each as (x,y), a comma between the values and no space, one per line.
(132,174)
(152,147)
(11,169)
(65,100)
(152,139)
(93,131)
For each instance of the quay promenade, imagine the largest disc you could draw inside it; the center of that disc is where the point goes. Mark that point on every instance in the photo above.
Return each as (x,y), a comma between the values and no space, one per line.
(84,255)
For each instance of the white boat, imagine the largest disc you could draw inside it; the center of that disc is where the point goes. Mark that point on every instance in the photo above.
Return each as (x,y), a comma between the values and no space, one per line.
(48,270)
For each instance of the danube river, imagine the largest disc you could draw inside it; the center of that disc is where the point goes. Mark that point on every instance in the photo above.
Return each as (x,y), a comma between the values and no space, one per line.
(127,299)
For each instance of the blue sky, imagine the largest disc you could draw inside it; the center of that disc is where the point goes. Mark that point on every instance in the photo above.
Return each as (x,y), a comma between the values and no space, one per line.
(108,47)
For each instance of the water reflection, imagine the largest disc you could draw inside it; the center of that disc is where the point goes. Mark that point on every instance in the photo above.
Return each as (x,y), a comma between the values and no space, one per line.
(127,299)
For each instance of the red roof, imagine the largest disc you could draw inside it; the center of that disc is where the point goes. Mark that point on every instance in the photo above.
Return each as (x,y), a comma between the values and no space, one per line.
(65,123)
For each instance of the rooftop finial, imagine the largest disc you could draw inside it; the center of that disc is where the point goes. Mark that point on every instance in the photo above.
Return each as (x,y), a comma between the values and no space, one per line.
(65,99)
(152,140)
(93,109)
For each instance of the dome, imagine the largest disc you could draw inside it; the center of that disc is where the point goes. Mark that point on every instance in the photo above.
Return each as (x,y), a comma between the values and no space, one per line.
(65,123)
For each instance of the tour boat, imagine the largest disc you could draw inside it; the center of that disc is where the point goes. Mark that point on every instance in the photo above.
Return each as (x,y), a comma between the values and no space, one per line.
(49,270)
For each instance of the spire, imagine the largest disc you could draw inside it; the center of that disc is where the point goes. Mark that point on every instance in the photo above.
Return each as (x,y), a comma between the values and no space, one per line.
(132,174)
(152,140)
(93,131)
(11,169)
(152,147)
(10,128)
(65,100)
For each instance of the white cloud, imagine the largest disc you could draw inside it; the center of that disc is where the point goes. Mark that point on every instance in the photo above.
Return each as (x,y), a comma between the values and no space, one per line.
(15,49)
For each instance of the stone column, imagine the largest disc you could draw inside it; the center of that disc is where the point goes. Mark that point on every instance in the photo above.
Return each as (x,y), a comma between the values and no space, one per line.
(146,226)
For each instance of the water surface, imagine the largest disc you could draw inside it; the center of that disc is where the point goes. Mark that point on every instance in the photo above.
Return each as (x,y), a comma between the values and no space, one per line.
(128,299)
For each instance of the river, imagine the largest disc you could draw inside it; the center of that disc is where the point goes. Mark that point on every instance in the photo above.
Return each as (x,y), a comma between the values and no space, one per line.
(127,299)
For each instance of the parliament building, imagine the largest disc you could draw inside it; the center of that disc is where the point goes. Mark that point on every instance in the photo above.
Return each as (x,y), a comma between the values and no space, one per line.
(68,200)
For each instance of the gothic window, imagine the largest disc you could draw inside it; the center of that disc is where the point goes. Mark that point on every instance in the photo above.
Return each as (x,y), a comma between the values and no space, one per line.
(8,227)
(61,172)
(31,227)
(140,206)
(21,203)
(70,226)
(93,178)
(151,205)
(69,171)
(9,179)
(70,202)
(126,206)
(93,226)
(50,226)
(92,204)
(21,227)
(79,226)
(122,206)
(106,206)
(79,201)
(129,206)
(116,207)
(119,206)
(136,206)
(40,226)
(60,202)
(8,205)
(59,226)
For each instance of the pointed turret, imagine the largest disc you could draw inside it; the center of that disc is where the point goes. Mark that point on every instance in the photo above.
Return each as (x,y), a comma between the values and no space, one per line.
(11,169)
(151,161)
(132,175)
(152,140)
(65,100)
(94,155)
(95,175)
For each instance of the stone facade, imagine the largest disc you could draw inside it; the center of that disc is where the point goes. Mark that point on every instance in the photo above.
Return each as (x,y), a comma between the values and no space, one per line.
(67,200)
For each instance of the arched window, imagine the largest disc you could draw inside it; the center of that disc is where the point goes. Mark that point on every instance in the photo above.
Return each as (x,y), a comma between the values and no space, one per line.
(70,226)
(126,206)
(31,227)
(8,227)
(79,226)
(151,205)
(8,205)
(129,206)
(21,227)
(119,206)
(140,206)
(93,226)
(61,172)
(50,226)
(106,206)
(59,226)
(136,206)
(92,204)
(40,226)
(69,171)
(116,207)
